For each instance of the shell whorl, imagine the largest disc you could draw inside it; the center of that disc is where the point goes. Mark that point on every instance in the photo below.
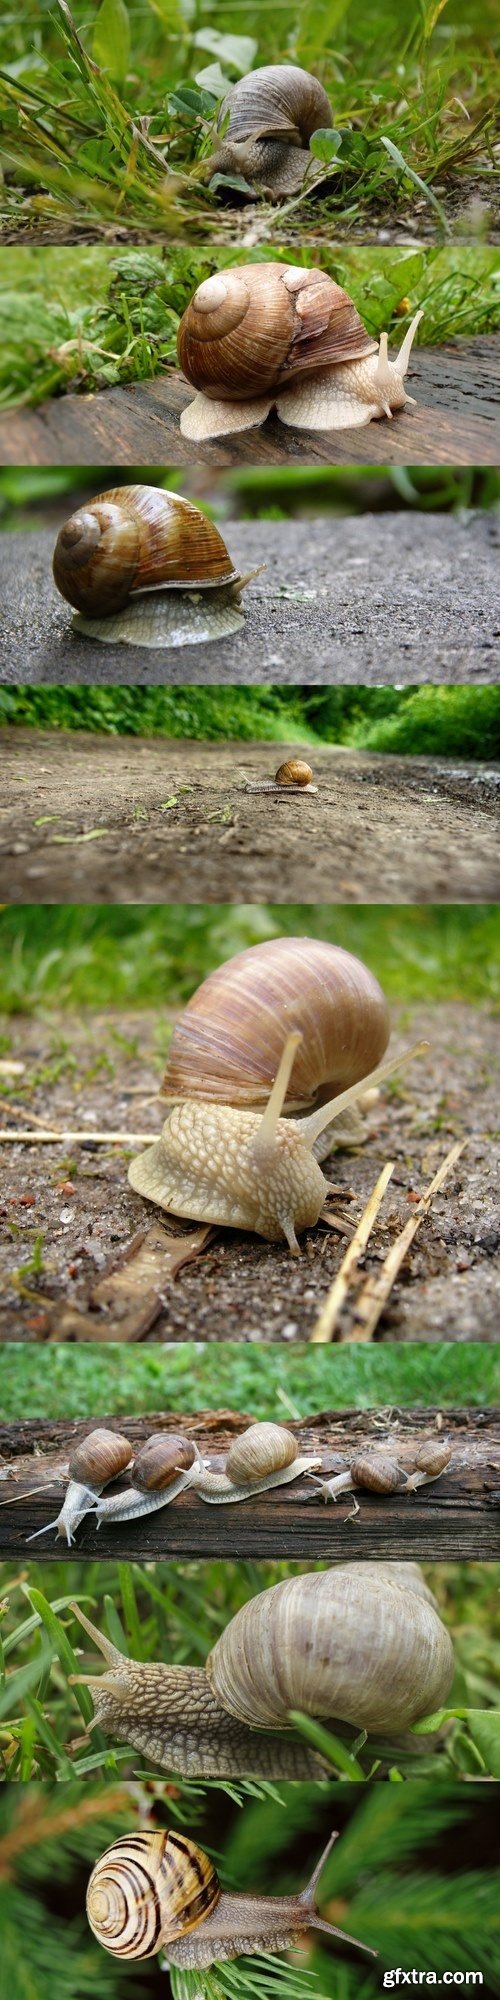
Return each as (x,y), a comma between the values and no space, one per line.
(100,1457)
(361,1643)
(148,1888)
(160,1459)
(262,1448)
(276,101)
(261,326)
(132,539)
(227,1043)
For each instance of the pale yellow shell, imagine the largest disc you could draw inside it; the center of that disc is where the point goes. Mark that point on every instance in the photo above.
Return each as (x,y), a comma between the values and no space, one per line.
(149,1888)
(227,1043)
(361,1642)
(262,1448)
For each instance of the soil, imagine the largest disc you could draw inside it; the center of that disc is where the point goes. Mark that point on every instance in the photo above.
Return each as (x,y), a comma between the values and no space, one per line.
(66,1212)
(469,202)
(390,829)
(394,598)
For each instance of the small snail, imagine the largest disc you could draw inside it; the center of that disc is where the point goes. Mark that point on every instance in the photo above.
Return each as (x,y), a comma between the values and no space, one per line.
(309,1016)
(158,1891)
(295,772)
(377,1474)
(361,1643)
(269,118)
(145,567)
(264,335)
(265,1456)
(97,1460)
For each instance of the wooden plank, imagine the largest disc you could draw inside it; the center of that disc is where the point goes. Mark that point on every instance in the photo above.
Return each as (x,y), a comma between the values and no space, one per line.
(455,1518)
(455,422)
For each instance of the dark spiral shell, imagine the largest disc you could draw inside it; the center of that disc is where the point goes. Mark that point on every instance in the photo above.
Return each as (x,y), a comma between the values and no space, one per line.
(160,1459)
(259,326)
(149,1888)
(135,538)
(100,1457)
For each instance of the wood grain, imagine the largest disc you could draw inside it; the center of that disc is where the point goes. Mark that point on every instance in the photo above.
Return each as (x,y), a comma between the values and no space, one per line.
(456,1518)
(455,422)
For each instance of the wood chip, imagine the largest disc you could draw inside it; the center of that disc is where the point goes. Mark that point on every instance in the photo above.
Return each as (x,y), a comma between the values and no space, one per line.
(125,1303)
(327,1322)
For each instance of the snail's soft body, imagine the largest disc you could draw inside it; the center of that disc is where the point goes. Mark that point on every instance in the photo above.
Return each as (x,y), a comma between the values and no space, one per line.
(155,1891)
(144,567)
(269,335)
(361,1644)
(266,121)
(290,1024)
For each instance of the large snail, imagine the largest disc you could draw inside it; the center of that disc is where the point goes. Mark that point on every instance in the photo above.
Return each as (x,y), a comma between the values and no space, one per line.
(361,1643)
(290,1024)
(155,1891)
(144,567)
(267,119)
(264,335)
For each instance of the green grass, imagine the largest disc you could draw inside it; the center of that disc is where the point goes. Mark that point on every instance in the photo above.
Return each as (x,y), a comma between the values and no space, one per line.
(426,721)
(78,955)
(72,97)
(68,1382)
(277,492)
(176,1614)
(96,318)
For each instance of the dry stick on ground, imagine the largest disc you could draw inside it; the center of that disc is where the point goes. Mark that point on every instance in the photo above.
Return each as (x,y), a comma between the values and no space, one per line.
(375,1292)
(26,1137)
(328,1318)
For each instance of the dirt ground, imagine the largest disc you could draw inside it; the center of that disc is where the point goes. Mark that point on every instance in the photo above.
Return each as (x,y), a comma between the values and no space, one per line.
(67,1211)
(394,598)
(87,818)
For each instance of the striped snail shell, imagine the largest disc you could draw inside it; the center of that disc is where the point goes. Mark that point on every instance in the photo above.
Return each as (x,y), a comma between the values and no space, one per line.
(269,117)
(227,1043)
(100,1457)
(149,1888)
(376,1474)
(260,335)
(133,539)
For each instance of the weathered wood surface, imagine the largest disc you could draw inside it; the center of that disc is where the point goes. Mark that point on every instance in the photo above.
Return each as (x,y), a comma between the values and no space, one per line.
(455,1518)
(455,422)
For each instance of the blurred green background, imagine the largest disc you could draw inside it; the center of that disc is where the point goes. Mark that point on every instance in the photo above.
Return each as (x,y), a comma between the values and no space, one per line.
(58,957)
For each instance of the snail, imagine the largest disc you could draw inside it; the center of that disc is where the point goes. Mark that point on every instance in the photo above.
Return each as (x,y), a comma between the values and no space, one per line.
(157,1891)
(265,335)
(97,1460)
(265,1456)
(303,1012)
(361,1643)
(294,776)
(377,1474)
(145,567)
(269,117)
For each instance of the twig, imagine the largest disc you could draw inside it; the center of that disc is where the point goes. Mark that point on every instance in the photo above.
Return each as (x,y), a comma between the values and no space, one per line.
(31,1138)
(375,1292)
(328,1318)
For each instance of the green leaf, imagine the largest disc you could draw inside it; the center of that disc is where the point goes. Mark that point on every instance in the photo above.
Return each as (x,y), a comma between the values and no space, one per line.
(62,1647)
(328,1745)
(484,1726)
(193,102)
(325,144)
(238,51)
(111,39)
(213,81)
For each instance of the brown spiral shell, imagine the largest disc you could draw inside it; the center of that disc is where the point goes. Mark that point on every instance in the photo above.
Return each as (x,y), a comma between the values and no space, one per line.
(377,1474)
(294,772)
(148,1888)
(160,1459)
(100,1457)
(227,1043)
(432,1457)
(262,1448)
(260,326)
(136,538)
